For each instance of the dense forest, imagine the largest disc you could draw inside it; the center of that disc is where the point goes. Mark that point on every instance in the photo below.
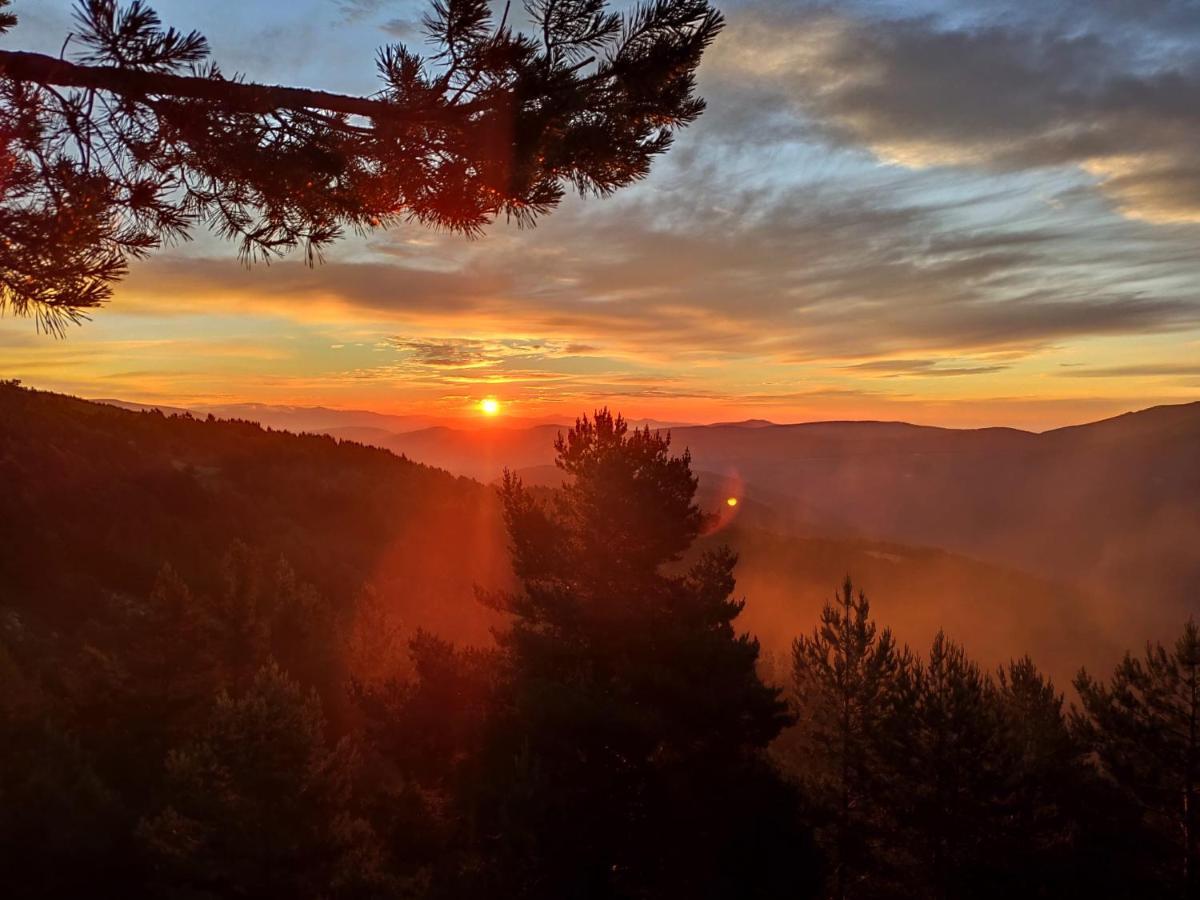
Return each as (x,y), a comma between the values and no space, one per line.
(224,672)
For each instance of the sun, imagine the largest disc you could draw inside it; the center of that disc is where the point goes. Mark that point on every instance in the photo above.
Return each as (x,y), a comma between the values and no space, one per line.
(732,501)
(489,406)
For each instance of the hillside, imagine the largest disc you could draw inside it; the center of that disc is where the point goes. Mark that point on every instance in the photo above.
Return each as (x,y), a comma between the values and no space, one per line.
(105,496)
(99,498)
(996,612)
(1112,507)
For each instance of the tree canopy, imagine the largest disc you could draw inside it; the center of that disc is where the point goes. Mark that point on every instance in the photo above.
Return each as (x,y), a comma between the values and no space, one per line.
(629,753)
(140,136)
(197,699)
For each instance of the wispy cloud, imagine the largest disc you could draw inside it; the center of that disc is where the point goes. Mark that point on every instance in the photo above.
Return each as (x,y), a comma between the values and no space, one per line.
(468,353)
(894,368)
(1143,370)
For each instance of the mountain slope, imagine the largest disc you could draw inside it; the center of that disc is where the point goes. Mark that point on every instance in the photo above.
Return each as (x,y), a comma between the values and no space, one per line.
(100,498)
(1113,506)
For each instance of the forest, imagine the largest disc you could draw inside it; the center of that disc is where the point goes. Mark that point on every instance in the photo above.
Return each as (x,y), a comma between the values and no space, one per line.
(215,681)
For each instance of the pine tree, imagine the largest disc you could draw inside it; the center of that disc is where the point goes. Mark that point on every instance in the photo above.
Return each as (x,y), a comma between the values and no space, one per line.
(1144,729)
(63,827)
(263,612)
(848,696)
(259,805)
(141,137)
(630,759)
(955,770)
(1042,793)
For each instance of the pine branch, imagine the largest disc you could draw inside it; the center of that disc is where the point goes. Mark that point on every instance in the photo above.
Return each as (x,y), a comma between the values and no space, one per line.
(236,96)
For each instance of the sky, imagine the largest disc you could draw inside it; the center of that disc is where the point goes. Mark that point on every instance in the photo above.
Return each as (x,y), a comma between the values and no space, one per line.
(967,213)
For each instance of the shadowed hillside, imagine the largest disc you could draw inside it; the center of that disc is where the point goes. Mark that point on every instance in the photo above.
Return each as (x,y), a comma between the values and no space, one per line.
(106,496)
(99,498)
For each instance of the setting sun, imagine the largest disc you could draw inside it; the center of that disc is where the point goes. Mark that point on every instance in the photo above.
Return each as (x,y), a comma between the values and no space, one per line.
(732,501)
(489,406)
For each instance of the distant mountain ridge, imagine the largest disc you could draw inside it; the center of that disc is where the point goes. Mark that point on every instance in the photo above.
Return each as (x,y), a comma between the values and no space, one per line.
(745,423)
(104,497)
(1112,505)
(322,419)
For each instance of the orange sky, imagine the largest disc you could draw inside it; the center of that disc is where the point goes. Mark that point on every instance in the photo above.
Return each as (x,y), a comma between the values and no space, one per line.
(888,211)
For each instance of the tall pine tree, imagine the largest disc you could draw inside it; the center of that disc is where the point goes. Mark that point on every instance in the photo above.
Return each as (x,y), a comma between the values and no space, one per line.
(630,759)
(848,693)
(258,804)
(955,766)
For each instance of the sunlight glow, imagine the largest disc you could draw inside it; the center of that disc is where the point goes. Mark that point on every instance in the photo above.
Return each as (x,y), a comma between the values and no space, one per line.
(732,501)
(489,406)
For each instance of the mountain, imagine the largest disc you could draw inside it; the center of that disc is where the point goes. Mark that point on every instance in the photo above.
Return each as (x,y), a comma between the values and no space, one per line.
(997,613)
(144,407)
(321,419)
(483,453)
(1112,507)
(317,419)
(102,497)
(746,423)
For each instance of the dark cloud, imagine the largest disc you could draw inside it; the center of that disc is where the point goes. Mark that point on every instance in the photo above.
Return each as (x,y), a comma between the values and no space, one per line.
(353,10)
(1014,94)
(404,30)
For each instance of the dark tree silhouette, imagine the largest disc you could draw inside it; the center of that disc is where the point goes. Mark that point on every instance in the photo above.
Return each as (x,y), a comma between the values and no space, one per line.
(259,804)
(630,761)
(934,779)
(1144,728)
(851,702)
(610,746)
(955,760)
(1050,839)
(142,137)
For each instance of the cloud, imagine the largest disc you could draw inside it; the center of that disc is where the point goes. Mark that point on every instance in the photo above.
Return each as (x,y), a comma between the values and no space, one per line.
(405,30)
(464,360)
(353,10)
(893,368)
(1143,370)
(792,277)
(1010,94)
(1035,196)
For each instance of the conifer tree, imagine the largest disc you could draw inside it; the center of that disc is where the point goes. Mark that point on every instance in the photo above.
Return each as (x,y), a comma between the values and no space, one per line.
(63,828)
(1144,729)
(259,805)
(1042,798)
(955,769)
(630,760)
(849,698)
(140,137)
(263,612)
